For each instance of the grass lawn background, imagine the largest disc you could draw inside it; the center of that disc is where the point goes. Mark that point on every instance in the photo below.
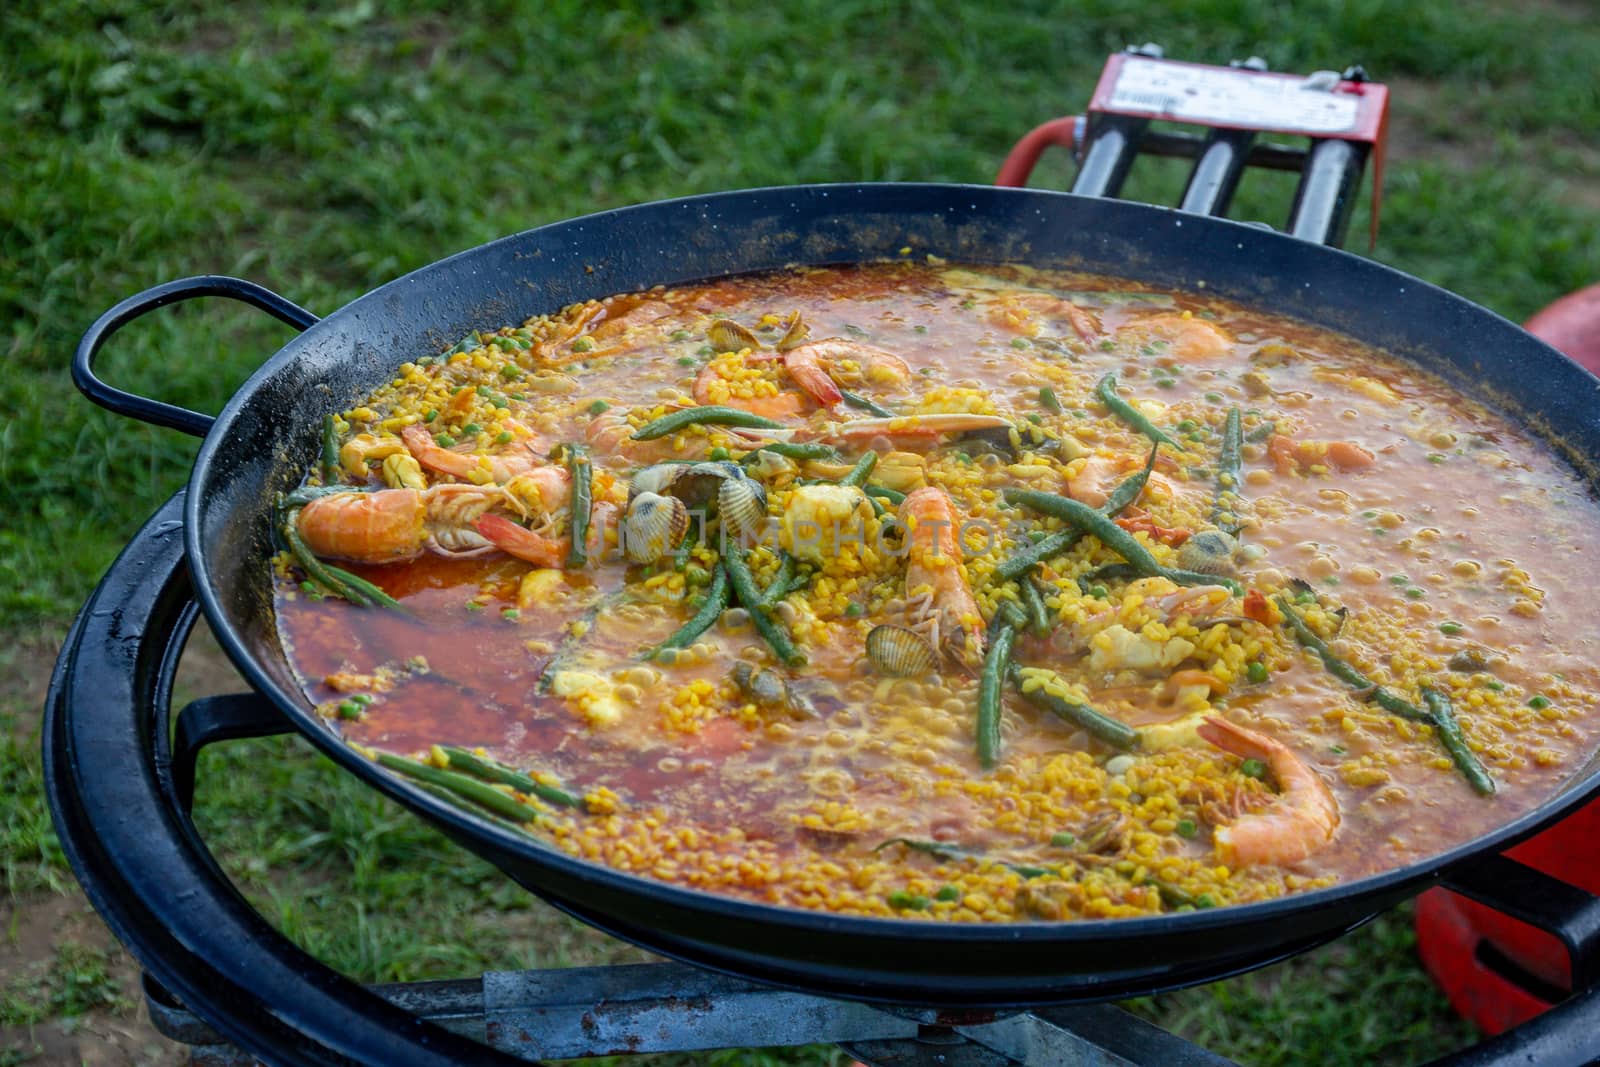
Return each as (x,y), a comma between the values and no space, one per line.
(324,153)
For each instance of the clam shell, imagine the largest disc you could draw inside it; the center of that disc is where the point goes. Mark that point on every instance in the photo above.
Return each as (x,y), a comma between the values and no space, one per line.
(763,685)
(899,652)
(656,478)
(699,484)
(726,335)
(742,502)
(1208,552)
(794,335)
(653,527)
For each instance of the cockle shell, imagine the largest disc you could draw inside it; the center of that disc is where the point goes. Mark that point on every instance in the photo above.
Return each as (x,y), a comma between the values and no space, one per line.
(653,527)
(899,652)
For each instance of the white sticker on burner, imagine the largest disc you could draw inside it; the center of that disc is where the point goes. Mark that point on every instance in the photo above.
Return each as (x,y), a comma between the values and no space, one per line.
(1229,97)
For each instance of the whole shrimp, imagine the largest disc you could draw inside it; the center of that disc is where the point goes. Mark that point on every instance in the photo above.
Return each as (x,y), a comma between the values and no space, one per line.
(1300,822)
(812,366)
(499,467)
(394,525)
(935,579)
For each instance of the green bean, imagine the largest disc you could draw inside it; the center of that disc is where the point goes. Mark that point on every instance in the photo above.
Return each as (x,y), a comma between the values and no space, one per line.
(1094,723)
(1023,562)
(1262,432)
(939,849)
(1173,897)
(883,492)
(463,760)
(1128,490)
(486,796)
(778,588)
(1346,672)
(744,587)
(794,450)
(680,555)
(1111,535)
(715,603)
(1449,730)
(582,500)
(1106,390)
(996,661)
(1230,475)
(858,473)
(307,493)
(1047,397)
(855,400)
(1033,604)
(944,851)
(1111,572)
(358,591)
(797,583)
(371,592)
(711,415)
(330,450)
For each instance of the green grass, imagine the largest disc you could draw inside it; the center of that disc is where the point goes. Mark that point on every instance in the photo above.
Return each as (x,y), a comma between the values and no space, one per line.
(325,152)
(76,981)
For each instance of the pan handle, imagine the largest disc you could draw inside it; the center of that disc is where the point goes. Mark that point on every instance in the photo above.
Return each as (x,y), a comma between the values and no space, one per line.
(156,412)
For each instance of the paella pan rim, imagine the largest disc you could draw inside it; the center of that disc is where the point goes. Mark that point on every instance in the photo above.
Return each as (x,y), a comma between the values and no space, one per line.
(227,506)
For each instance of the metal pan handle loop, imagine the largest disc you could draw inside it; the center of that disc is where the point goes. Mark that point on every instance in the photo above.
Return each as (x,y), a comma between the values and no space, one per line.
(156,412)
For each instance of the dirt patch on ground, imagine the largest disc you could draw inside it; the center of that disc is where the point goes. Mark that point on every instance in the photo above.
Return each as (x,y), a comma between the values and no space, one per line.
(57,949)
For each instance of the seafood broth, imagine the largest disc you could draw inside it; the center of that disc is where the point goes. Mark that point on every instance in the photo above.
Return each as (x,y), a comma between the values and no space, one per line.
(966,593)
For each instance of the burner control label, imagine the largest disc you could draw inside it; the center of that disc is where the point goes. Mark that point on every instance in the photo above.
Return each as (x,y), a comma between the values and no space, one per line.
(1216,96)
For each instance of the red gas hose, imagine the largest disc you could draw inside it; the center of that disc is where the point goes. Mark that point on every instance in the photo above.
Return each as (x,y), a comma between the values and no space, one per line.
(1066,132)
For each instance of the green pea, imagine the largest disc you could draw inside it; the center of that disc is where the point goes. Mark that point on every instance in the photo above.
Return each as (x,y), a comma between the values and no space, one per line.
(349,709)
(510,613)
(685,361)
(1538,703)
(1451,628)
(908,901)
(1253,768)
(947,893)
(719,453)
(1187,828)
(1063,840)
(1256,672)
(444,440)
(583,344)
(471,429)
(598,407)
